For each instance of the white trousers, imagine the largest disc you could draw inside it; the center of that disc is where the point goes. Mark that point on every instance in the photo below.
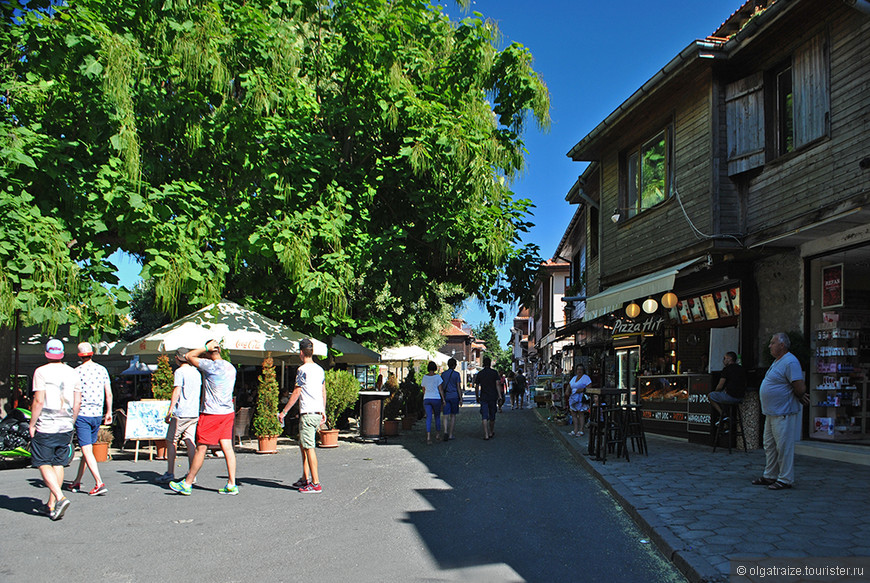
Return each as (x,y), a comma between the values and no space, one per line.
(779,438)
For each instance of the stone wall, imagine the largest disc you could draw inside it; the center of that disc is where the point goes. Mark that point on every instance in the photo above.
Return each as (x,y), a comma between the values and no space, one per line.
(780,283)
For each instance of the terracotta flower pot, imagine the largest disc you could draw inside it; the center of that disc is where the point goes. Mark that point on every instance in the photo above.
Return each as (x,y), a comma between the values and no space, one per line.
(268,444)
(328,438)
(391,427)
(101,451)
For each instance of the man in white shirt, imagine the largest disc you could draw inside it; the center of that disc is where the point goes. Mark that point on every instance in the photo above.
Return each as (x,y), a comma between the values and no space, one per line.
(56,401)
(310,391)
(183,413)
(96,394)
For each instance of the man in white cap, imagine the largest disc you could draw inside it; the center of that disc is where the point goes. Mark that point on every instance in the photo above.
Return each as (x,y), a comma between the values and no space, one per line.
(96,394)
(56,400)
(183,413)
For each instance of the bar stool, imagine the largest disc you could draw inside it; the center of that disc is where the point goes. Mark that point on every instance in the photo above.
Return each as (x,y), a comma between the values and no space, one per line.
(731,412)
(633,419)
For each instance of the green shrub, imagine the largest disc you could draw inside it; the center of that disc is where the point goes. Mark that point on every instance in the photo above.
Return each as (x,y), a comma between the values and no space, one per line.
(162,379)
(266,422)
(342,391)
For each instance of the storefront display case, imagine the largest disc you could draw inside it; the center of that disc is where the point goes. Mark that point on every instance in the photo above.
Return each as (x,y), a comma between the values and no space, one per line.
(676,404)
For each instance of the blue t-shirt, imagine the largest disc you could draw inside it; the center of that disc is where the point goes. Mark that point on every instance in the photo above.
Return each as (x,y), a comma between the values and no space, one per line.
(451,380)
(218,380)
(777,396)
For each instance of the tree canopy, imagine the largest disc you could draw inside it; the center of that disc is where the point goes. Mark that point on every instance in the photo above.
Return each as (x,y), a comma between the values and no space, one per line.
(343,166)
(500,355)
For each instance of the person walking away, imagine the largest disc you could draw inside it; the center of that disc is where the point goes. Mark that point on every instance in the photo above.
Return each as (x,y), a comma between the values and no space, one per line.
(451,385)
(215,424)
(502,388)
(56,400)
(486,393)
(310,391)
(782,392)
(433,399)
(520,385)
(96,394)
(183,414)
(578,402)
(730,390)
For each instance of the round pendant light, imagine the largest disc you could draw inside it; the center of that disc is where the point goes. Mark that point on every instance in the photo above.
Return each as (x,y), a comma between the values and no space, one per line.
(632,310)
(669,300)
(650,305)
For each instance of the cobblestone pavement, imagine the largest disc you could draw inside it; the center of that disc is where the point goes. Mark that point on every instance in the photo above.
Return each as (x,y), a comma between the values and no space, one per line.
(700,508)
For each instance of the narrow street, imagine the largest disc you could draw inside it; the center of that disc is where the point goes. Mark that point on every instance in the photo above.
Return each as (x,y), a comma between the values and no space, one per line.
(516,508)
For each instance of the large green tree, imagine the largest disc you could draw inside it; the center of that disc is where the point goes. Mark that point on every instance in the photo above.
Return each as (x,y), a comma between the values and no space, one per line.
(341,165)
(500,355)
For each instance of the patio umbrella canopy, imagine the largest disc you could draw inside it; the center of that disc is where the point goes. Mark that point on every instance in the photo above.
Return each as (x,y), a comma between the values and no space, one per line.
(415,353)
(241,331)
(353,353)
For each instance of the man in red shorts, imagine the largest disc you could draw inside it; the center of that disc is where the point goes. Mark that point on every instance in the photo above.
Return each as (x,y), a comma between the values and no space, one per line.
(215,426)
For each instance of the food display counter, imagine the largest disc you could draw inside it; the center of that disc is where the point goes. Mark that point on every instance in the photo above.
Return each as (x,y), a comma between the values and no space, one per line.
(676,405)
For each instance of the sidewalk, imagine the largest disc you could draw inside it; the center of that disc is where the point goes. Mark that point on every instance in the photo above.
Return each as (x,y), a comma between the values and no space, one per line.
(701,510)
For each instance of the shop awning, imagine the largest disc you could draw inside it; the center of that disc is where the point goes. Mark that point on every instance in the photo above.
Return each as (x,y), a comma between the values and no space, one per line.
(640,287)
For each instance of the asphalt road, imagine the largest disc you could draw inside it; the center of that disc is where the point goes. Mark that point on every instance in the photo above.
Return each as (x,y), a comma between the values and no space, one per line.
(516,508)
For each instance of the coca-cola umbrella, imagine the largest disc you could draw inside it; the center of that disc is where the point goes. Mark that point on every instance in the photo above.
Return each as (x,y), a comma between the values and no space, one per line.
(243,332)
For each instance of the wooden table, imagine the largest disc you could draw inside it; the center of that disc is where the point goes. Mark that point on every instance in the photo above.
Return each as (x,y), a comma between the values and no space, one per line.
(602,417)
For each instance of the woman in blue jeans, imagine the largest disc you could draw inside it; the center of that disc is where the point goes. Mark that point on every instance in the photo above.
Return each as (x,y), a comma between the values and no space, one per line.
(433,399)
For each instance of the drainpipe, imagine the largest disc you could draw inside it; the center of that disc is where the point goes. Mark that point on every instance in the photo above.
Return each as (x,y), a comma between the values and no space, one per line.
(862,5)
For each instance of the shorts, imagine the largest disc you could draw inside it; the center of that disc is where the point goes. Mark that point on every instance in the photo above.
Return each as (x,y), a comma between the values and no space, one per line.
(212,428)
(181,428)
(723,397)
(451,406)
(309,423)
(87,429)
(51,449)
(487,410)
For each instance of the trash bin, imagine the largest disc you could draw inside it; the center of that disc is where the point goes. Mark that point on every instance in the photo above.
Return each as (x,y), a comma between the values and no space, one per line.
(371,403)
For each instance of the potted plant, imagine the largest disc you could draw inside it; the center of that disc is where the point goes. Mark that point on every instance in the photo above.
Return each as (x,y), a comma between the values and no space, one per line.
(412,399)
(162,383)
(266,426)
(392,406)
(101,446)
(342,391)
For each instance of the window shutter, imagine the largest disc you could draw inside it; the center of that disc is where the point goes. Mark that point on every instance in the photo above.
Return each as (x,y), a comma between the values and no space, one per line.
(744,115)
(810,86)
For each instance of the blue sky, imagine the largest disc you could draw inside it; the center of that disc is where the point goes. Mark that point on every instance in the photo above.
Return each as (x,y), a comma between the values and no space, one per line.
(592,55)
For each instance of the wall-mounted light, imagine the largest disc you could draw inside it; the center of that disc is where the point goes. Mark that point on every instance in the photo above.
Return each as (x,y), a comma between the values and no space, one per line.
(615,216)
(650,305)
(669,300)
(632,310)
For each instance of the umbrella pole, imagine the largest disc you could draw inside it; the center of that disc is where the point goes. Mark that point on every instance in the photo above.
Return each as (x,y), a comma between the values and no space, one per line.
(283,362)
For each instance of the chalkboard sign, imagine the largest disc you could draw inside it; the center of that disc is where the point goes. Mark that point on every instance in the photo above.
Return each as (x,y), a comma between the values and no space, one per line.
(146,419)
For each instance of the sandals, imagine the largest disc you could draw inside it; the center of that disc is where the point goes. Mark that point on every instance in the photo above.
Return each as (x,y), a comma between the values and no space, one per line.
(762,481)
(777,485)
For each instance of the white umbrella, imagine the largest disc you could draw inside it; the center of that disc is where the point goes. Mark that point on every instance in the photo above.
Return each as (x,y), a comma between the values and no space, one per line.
(243,332)
(415,353)
(352,352)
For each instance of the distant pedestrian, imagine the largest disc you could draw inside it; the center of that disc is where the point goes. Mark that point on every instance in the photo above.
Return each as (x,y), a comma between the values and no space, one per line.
(782,391)
(183,414)
(56,400)
(96,394)
(502,389)
(215,425)
(433,400)
(486,393)
(452,384)
(578,401)
(519,390)
(731,387)
(310,391)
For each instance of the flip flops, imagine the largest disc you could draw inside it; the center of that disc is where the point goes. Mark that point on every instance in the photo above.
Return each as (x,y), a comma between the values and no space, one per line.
(777,485)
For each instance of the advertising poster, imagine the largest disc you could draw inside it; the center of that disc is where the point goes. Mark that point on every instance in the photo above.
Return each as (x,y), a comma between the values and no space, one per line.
(709,307)
(723,304)
(734,295)
(695,309)
(832,286)
(685,316)
(146,419)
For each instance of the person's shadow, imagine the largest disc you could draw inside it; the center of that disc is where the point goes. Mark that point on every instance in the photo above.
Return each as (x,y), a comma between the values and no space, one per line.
(24,505)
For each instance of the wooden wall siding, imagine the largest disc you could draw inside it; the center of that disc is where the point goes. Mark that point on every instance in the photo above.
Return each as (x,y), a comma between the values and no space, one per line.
(729,210)
(744,122)
(664,231)
(825,172)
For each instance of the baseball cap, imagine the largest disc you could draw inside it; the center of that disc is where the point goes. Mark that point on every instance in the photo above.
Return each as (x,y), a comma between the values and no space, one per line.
(54,349)
(85,349)
(305,343)
(181,353)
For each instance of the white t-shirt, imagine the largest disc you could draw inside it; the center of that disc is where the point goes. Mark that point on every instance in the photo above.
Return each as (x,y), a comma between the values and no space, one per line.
(188,378)
(93,378)
(60,382)
(218,379)
(431,384)
(309,379)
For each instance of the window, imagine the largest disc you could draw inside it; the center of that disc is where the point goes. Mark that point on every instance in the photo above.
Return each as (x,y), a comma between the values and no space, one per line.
(784,111)
(647,174)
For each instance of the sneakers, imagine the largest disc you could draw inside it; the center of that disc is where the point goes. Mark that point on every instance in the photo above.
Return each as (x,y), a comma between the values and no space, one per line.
(165,478)
(59,509)
(229,490)
(310,489)
(181,487)
(75,487)
(98,490)
(300,483)
(571,433)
